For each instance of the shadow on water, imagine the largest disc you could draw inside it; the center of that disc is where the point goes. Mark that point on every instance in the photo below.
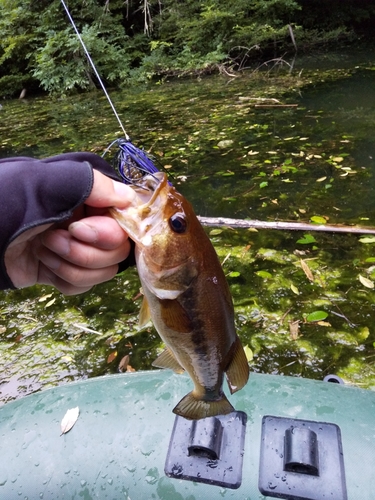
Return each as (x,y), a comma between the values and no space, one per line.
(233,157)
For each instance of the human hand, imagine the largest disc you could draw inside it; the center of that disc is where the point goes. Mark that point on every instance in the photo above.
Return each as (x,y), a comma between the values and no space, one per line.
(81,252)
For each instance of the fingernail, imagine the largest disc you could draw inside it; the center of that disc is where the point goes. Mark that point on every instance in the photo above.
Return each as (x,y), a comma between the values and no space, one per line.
(83,232)
(126,194)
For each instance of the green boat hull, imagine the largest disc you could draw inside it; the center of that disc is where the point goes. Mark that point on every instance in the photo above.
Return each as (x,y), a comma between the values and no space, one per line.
(118,446)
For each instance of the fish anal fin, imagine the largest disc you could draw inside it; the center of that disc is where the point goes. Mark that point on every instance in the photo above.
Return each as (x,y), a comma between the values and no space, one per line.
(237,372)
(144,313)
(193,408)
(167,360)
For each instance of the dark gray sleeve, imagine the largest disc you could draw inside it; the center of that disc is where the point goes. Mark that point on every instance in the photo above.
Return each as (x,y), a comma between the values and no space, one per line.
(35,192)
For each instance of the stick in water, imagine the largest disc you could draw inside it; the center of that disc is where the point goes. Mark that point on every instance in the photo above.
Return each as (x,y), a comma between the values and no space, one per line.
(293,226)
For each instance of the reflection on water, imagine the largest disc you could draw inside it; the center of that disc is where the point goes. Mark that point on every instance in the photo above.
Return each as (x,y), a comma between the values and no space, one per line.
(231,156)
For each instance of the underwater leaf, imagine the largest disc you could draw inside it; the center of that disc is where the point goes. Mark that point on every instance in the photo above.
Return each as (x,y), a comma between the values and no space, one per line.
(367,239)
(363,333)
(323,323)
(316,219)
(45,297)
(307,238)
(67,359)
(366,282)
(294,329)
(307,270)
(263,184)
(370,259)
(234,274)
(52,301)
(264,274)
(124,363)
(294,289)
(70,418)
(226,143)
(248,353)
(215,232)
(316,316)
(111,357)
(321,179)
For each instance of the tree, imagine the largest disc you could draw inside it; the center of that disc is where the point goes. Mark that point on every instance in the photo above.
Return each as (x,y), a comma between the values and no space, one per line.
(137,40)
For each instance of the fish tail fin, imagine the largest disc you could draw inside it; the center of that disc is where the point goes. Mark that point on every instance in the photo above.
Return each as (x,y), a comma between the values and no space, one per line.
(237,372)
(193,408)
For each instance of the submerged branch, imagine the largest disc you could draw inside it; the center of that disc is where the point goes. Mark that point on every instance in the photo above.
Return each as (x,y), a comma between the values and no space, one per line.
(294,226)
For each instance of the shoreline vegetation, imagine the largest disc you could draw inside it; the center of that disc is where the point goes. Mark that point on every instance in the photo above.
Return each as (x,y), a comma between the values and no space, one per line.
(137,42)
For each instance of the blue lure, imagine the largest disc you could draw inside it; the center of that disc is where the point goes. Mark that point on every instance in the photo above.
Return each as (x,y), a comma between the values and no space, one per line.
(132,163)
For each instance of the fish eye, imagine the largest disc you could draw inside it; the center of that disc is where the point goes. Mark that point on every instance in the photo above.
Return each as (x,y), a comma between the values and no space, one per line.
(178,223)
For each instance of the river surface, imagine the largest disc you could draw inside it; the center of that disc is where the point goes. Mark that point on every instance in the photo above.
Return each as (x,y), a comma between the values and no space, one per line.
(233,151)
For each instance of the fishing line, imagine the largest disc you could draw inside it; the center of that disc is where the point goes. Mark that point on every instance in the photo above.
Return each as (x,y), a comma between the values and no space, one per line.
(94,68)
(132,163)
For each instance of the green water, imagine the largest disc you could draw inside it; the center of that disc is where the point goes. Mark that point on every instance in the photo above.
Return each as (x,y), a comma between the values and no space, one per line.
(232,159)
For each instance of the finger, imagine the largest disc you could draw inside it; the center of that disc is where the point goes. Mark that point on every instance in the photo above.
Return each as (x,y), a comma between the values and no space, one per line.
(108,193)
(74,279)
(60,248)
(47,277)
(101,231)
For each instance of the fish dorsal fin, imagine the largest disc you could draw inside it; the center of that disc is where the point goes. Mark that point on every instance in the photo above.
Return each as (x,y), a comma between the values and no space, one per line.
(237,372)
(144,313)
(167,360)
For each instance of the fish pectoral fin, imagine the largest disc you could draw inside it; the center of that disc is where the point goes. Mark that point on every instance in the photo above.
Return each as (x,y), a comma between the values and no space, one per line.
(144,313)
(193,408)
(167,360)
(237,372)
(175,316)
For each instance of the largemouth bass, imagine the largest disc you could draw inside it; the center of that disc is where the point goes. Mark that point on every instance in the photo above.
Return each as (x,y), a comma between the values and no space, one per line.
(186,296)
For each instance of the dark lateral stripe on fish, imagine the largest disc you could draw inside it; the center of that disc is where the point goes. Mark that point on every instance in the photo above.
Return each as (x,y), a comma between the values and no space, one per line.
(192,408)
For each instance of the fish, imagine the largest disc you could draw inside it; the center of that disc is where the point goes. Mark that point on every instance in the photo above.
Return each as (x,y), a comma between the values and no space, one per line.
(186,296)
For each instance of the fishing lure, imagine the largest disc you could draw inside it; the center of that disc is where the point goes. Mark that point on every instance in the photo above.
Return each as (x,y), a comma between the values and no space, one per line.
(131,162)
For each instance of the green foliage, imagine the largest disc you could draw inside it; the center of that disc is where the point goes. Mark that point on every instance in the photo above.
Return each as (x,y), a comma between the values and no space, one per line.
(62,65)
(135,41)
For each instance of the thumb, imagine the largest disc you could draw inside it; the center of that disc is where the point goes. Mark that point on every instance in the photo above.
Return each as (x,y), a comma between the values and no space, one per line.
(109,193)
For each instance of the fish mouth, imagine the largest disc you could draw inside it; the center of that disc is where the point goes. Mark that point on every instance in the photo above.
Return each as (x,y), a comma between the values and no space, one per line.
(149,189)
(138,218)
